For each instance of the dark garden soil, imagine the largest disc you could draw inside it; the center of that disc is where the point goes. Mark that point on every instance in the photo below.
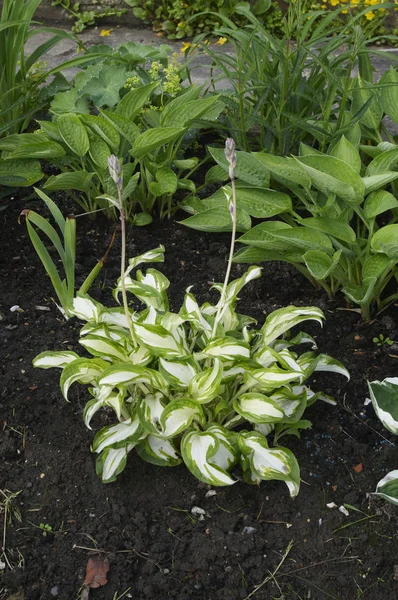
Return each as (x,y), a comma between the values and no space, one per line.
(156,547)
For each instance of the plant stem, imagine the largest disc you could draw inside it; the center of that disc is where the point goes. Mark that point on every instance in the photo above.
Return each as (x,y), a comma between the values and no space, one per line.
(123,264)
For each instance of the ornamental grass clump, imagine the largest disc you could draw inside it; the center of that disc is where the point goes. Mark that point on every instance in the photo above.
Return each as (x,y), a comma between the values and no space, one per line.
(200,386)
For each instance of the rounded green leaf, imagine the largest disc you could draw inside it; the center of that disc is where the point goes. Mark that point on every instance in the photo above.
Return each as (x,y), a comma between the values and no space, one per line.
(385,240)
(73,133)
(378,202)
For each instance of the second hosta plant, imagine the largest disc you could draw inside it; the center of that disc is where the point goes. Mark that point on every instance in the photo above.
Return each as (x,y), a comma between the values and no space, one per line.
(203,385)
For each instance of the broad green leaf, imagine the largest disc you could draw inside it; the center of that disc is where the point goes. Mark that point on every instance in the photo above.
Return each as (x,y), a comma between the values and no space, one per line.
(104,89)
(111,462)
(47,359)
(69,102)
(38,150)
(346,152)
(375,182)
(99,153)
(262,235)
(375,266)
(251,254)
(122,374)
(154,139)
(216,174)
(127,129)
(378,202)
(131,104)
(73,133)
(284,170)
(387,487)
(83,370)
(319,264)
(280,321)
(76,180)
(384,396)
(363,93)
(20,173)
(166,182)
(386,240)
(389,94)
(260,203)
(338,229)
(302,237)
(203,450)
(185,164)
(331,175)
(247,169)
(105,130)
(383,162)
(205,386)
(227,348)
(218,220)
(270,463)
(182,115)
(258,408)
(126,432)
(158,451)
(179,375)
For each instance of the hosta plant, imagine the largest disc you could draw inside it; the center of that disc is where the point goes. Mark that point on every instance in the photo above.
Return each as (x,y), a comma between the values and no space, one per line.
(384,396)
(202,386)
(335,216)
(151,142)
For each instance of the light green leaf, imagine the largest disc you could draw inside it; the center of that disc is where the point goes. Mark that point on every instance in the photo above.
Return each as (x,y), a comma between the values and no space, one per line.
(362,93)
(20,172)
(338,229)
(383,162)
(385,240)
(105,130)
(38,150)
(182,115)
(319,264)
(284,170)
(247,169)
(346,152)
(131,104)
(389,93)
(99,153)
(218,220)
(76,180)
(166,182)
(69,102)
(378,202)
(104,89)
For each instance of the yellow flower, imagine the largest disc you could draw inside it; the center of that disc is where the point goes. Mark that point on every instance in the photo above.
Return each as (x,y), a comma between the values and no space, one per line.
(105,32)
(344,12)
(323,5)
(221,41)
(370,16)
(334,2)
(185,47)
(180,24)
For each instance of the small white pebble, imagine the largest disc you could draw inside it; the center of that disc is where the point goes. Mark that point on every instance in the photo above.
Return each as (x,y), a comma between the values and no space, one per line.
(367,401)
(320,522)
(289,525)
(331,505)
(198,512)
(16,308)
(344,511)
(210,493)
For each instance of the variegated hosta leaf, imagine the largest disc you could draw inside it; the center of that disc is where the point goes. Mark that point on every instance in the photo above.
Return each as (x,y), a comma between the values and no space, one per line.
(227,348)
(172,322)
(177,374)
(323,362)
(191,312)
(272,377)
(83,370)
(104,348)
(300,338)
(121,434)
(208,455)
(111,462)
(387,487)
(140,356)
(257,408)
(85,308)
(47,359)
(177,416)
(206,385)
(145,293)
(105,330)
(125,374)
(103,396)
(159,341)
(270,463)
(311,396)
(148,316)
(150,410)
(265,356)
(264,428)
(293,404)
(384,396)
(158,451)
(116,316)
(152,256)
(283,319)
(233,288)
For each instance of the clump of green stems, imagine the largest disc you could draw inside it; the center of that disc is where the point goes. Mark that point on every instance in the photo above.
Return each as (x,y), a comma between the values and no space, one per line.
(295,89)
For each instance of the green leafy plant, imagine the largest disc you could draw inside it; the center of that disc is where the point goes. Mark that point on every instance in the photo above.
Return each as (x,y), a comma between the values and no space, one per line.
(280,92)
(46,528)
(328,207)
(384,396)
(150,141)
(65,246)
(85,18)
(380,340)
(181,383)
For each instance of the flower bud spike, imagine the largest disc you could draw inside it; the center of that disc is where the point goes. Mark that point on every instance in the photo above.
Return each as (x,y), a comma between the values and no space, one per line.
(115,170)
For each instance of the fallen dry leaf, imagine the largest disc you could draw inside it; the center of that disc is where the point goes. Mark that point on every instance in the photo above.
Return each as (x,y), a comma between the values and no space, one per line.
(96,569)
(358,468)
